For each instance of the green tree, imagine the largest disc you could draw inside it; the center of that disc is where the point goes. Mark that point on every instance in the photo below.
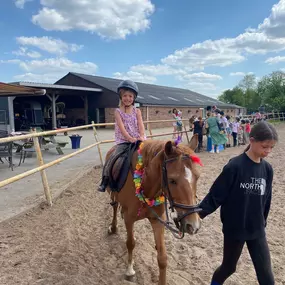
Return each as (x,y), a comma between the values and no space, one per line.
(244,94)
(248,85)
(232,96)
(271,89)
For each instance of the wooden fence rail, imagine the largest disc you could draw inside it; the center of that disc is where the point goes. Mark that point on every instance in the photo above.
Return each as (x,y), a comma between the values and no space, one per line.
(42,166)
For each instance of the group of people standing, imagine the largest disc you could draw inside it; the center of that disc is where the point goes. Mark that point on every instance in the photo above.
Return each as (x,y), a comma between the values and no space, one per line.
(221,129)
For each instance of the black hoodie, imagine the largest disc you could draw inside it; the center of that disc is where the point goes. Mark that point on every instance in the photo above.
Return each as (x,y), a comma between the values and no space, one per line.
(243,190)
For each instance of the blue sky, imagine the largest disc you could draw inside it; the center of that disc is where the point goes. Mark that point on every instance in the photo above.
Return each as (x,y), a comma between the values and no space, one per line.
(202,45)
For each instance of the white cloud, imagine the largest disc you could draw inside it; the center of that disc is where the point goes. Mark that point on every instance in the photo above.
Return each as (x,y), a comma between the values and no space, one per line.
(200,77)
(201,86)
(135,76)
(10,61)
(57,65)
(114,19)
(21,3)
(24,52)
(48,44)
(274,25)
(257,43)
(207,53)
(200,82)
(156,70)
(41,78)
(274,60)
(49,70)
(238,73)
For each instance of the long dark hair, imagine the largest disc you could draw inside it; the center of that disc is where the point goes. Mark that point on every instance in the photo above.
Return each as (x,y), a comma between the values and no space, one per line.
(263,131)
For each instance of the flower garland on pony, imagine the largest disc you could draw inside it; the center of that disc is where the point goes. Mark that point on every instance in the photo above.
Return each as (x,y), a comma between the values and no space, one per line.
(138,175)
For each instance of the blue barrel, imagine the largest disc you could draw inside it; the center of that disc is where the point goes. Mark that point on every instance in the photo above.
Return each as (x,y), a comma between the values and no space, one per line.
(75,141)
(209,145)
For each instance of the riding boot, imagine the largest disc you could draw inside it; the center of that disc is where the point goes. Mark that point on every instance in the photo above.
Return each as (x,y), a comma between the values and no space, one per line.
(104,184)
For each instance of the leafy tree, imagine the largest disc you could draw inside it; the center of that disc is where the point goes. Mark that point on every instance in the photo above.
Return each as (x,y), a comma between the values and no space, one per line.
(232,96)
(271,89)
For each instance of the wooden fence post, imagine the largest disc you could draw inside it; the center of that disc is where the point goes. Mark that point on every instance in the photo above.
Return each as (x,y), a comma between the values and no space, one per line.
(186,134)
(97,140)
(43,172)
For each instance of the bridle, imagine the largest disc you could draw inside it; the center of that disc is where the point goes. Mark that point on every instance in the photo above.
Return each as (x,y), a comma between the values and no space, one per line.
(178,229)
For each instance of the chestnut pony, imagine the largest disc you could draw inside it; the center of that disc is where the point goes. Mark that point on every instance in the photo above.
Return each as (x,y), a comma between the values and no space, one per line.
(169,171)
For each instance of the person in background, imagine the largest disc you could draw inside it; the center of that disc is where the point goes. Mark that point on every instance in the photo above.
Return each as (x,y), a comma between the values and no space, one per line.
(241,133)
(179,124)
(191,121)
(243,190)
(229,130)
(224,126)
(174,114)
(247,130)
(235,129)
(198,129)
(218,138)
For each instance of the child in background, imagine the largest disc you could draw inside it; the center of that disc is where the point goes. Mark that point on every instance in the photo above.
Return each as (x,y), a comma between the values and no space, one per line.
(198,129)
(179,124)
(241,133)
(229,130)
(235,129)
(247,130)
(174,114)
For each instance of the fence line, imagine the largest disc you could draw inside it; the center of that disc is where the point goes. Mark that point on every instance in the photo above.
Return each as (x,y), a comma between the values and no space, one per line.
(42,166)
(63,130)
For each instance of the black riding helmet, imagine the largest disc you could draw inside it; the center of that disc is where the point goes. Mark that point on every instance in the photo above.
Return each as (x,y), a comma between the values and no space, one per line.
(129,84)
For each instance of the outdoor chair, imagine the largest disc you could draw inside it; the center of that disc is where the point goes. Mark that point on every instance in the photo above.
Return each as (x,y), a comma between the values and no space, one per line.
(6,151)
(28,147)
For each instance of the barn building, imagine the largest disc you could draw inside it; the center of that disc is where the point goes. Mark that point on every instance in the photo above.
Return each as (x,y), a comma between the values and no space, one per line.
(78,99)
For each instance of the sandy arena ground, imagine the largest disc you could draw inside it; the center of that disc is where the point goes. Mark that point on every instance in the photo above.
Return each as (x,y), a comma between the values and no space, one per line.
(68,243)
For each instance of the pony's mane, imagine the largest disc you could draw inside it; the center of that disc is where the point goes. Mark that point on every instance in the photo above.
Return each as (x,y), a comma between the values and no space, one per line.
(152,147)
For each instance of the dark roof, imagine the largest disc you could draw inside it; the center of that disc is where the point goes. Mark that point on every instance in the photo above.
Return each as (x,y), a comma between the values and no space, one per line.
(150,94)
(7,90)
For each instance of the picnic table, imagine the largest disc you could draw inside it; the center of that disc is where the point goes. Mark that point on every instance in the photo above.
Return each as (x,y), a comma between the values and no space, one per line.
(46,142)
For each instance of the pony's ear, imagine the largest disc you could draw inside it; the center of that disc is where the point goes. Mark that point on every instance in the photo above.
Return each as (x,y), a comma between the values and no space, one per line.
(193,144)
(168,148)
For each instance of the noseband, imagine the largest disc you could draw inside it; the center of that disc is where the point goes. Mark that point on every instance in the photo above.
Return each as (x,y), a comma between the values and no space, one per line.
(177,230)
(190,209)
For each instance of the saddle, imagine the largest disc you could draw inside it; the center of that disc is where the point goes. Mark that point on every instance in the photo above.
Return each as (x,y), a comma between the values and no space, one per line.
(117,167)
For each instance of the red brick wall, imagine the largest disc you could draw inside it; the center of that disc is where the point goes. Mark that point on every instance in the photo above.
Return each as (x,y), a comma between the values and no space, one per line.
(165,113)
(162,113)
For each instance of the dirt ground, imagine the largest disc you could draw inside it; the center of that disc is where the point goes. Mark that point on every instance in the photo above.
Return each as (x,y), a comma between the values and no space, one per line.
(68,243)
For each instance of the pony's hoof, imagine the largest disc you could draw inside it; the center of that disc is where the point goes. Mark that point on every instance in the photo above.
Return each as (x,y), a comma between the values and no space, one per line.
(130,273)
(112,230)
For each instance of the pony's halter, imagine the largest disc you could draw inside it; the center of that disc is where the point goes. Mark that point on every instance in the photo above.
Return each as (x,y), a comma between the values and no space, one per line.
(178,230)
(190,209)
